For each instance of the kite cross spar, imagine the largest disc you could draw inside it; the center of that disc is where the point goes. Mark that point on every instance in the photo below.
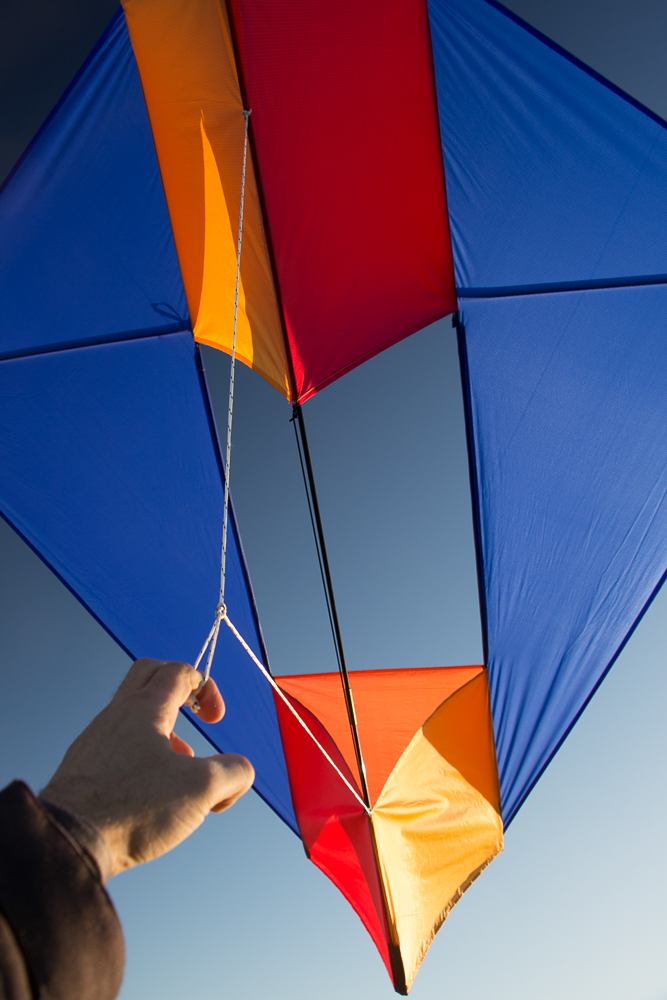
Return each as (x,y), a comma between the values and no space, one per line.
(221,608)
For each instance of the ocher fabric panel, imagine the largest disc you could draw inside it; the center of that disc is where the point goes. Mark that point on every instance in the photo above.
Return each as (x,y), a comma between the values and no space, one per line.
(186,64)
(437,823)
(462,732)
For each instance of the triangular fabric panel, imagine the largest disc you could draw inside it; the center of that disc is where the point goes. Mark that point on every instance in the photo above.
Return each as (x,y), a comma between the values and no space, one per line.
(109,468)
(552,175)
(567,395)
(86,248)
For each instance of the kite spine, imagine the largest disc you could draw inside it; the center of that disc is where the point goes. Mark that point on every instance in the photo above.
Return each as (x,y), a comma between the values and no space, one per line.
(323,559)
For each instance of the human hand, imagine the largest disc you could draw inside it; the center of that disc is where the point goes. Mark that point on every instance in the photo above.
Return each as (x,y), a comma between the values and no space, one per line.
(137,782)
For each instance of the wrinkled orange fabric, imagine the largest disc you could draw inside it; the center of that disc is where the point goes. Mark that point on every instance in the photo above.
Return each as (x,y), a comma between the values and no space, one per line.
(428,744)
(437,823)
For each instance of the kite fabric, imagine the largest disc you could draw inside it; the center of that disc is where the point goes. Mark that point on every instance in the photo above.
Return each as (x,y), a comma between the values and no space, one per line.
(346,160)
(552,175)
(568,410)
(407,160)
(87,251)
(110,470)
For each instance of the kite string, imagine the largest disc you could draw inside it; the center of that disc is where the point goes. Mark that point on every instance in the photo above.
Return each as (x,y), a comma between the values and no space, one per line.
(230,408)
(221,610)
(221,616)
(212,639)
(294,712)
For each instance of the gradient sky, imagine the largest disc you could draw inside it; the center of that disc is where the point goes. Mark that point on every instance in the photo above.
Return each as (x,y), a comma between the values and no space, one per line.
(576,904)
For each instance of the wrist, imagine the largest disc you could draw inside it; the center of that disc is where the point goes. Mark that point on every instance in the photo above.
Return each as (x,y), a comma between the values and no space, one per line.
(87,834)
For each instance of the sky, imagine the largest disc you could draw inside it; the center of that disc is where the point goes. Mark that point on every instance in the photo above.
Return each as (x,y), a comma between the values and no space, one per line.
(576,903)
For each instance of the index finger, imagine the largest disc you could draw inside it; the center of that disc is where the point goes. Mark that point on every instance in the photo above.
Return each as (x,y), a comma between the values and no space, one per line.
(162,686)
(211,704)
(139,674)
(169,689)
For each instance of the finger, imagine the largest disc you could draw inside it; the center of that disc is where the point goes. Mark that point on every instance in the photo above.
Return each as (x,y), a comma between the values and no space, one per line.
(211,704)
(230,777)
(180,746)
(168,689)
(139,674)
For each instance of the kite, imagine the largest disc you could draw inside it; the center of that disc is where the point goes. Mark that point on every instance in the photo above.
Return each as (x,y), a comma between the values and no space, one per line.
(405,161)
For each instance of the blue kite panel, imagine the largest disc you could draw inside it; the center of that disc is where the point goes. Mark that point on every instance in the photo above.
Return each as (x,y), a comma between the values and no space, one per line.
(567,395)
(552,175)
(109,468)
(86,247)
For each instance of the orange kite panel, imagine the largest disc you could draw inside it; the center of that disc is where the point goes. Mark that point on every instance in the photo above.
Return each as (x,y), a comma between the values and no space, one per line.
(188,74)
(391,705)
(437,823)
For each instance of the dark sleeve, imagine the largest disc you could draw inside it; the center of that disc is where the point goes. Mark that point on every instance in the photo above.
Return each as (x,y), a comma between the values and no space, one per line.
(60,938)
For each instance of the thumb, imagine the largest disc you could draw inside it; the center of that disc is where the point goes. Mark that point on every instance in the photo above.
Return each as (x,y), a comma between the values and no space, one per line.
(230,777)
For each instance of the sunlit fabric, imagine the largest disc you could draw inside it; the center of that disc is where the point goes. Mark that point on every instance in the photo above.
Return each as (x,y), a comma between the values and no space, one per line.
(392,146)
(195,116)
(427,743)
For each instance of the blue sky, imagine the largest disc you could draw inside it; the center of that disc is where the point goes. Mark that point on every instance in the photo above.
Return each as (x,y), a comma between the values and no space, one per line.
(575,905)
